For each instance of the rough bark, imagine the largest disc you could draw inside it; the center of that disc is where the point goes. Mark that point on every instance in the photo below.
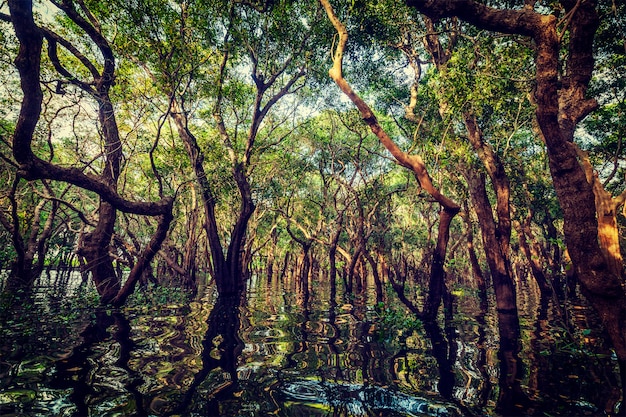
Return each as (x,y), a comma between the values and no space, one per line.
(561,103)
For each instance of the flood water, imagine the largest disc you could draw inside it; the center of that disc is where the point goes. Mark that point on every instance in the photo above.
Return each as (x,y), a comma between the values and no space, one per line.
(278,352)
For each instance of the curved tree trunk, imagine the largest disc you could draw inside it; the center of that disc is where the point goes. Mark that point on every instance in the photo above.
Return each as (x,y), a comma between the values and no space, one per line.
(409,161)
(95,246)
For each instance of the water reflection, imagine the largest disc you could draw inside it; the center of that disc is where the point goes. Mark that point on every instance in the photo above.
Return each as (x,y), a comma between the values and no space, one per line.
(286,352)
(358,400)
(217,380)
(96,371)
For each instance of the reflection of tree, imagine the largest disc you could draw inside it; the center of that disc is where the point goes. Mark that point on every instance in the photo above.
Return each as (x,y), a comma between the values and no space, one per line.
(75,371)
(444,350)
(555,358)
(122,336)
(303,302)
(334,363)
(481,362)
(221,348)
(512,400)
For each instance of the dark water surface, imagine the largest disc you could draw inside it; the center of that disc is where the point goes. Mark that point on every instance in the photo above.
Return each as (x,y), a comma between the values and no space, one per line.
(279,352)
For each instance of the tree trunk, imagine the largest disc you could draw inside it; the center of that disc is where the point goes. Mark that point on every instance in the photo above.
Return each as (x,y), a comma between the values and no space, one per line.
(477,272)
(561,104)
(437,271)
(496,251)
(94,248)
(24,271)
(409,161)
(234,257)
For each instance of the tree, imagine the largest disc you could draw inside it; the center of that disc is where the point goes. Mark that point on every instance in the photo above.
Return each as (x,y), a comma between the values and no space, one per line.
(96,244)
(413,162)
(562,102)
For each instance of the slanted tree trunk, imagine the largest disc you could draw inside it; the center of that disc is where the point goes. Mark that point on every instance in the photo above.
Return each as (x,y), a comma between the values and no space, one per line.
(496,252)
(413,162)
(496,234)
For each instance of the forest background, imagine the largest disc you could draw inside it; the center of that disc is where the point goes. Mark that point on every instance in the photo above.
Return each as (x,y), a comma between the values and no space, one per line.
(197,143)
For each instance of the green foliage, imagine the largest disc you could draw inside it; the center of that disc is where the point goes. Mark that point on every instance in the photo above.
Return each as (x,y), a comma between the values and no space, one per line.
(605,129)
(392,322)
(313,157)
(157,296)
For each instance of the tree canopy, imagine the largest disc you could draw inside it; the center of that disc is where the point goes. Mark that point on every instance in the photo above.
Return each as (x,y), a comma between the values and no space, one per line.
(195,141)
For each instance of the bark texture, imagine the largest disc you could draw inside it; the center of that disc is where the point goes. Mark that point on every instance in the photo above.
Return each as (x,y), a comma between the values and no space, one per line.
(561,103)
(95,245)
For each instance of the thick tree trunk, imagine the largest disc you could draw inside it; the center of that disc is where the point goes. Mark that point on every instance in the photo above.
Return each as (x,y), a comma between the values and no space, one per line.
(96,245)
(561,103)
(94,248)
(234,257)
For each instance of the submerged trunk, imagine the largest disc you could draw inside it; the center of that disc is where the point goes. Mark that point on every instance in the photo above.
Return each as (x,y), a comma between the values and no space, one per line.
(196,157)
(96,245)
(437,272)
(94,248)
(229,273)
(236,272)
